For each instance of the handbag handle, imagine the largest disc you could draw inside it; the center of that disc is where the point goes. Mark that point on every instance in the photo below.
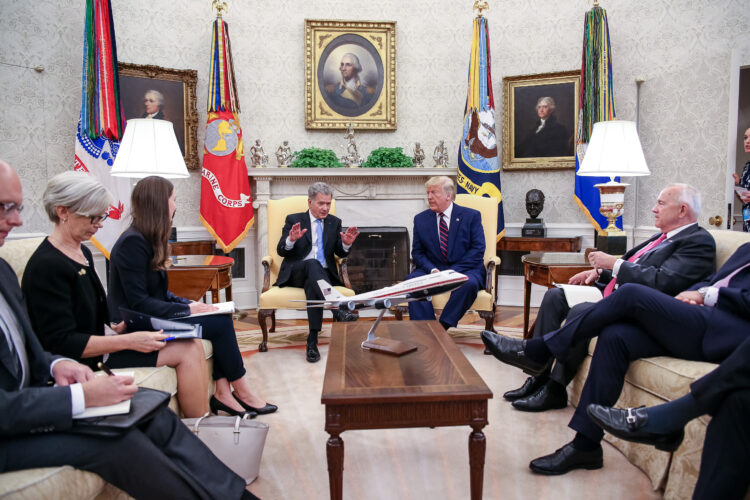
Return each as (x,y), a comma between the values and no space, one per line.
(237,422)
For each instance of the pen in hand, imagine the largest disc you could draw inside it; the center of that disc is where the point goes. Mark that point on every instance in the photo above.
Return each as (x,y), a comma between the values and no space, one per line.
(168,339)
(105,368)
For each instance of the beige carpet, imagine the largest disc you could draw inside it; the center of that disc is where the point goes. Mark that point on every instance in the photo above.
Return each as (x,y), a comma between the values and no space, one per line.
(416,463)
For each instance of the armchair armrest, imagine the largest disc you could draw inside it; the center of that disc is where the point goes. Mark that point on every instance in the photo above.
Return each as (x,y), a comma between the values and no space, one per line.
(491,280)
(266,263)
(344,271)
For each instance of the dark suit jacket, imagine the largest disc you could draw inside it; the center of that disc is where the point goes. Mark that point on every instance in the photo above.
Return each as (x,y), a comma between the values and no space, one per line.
(465,242)
(552,140)
(671,267)
(36,408)
(302,247)
(135,286)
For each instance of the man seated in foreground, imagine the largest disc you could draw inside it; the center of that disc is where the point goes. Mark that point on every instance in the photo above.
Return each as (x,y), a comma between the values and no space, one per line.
(160,458)
(705,323)
(680,254)
(447,236)
(725,394)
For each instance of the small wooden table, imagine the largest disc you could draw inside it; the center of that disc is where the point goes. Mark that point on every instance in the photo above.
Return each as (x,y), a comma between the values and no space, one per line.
(546,269)
(433,386)
(191,276)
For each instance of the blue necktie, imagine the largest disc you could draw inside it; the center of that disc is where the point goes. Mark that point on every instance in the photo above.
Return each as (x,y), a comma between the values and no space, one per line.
(320,255)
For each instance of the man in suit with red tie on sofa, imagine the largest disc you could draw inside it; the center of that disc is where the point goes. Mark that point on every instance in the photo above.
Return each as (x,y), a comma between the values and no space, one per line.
(447,236)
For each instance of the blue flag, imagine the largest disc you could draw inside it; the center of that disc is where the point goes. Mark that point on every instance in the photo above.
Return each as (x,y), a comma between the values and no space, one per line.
(478,165)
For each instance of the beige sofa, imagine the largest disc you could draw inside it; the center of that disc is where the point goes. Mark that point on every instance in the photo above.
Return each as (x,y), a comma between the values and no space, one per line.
(67,482)
(652,381)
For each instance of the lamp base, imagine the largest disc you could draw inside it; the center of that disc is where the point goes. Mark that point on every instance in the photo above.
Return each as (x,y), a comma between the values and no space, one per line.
(611,244)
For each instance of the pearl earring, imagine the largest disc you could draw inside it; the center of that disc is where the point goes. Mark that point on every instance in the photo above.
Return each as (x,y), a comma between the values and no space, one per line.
(65,220)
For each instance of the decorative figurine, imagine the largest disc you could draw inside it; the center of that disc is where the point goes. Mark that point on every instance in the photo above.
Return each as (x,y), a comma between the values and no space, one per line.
(260,158)
(440,155)
(284,155)
(352,158)
(534,227)
(419,156)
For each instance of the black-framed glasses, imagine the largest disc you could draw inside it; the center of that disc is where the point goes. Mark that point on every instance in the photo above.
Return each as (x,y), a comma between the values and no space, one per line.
(9,208)
(96,219)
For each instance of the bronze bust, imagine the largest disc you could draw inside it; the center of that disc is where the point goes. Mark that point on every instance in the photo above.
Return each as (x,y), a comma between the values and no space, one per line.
(534,202)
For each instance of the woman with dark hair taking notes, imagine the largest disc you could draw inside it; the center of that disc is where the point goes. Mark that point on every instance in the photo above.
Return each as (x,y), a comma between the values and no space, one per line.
(67,303)
(138,281)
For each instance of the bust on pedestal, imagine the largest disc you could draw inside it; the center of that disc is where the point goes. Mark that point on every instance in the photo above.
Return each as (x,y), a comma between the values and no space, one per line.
(534,226)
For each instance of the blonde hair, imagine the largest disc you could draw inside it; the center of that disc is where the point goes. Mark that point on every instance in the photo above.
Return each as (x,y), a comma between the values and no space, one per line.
(445,182)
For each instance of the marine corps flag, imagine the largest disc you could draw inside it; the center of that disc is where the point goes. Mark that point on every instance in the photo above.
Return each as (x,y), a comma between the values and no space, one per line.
(226,206)
(101,123)
(596,103)
(478,166)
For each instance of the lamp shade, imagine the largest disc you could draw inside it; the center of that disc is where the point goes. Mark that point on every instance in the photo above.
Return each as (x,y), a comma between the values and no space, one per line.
(614,150)
(149,147)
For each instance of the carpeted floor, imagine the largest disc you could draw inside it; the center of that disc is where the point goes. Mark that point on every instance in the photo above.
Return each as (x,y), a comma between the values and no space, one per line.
(415,463)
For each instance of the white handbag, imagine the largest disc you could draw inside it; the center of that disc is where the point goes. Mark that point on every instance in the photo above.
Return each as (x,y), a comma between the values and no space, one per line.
(236,441)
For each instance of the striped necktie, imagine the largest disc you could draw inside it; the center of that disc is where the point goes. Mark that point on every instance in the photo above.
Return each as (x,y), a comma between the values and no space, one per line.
(611,285)
(443,237)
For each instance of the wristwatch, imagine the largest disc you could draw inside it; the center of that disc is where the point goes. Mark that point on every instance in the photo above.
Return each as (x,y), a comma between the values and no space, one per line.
(703,290)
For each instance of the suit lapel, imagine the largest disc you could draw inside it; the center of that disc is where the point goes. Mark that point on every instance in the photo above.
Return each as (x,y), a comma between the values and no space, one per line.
(8,358)
(305,224)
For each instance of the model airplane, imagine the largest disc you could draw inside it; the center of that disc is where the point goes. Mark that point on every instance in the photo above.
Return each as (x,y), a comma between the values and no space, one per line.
(420,288)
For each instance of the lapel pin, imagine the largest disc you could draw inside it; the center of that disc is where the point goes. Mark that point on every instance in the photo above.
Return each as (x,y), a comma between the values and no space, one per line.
(82,272)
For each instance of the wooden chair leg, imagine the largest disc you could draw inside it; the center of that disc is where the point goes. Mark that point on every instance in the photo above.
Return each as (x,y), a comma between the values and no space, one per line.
(263,315)
(273,320)
(489,320)
(399,311)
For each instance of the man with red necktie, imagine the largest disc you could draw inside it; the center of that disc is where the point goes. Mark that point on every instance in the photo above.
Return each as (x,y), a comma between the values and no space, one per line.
(447,236)
(681,254)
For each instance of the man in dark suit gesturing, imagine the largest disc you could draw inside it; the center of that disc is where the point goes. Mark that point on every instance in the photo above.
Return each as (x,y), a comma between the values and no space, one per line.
(680,254)
(309,243)
(159,458)
(447,236)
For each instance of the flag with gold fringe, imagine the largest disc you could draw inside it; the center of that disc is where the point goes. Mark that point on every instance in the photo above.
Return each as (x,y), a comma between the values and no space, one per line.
(596,103)
(226,204)
(478,165)
(101,122)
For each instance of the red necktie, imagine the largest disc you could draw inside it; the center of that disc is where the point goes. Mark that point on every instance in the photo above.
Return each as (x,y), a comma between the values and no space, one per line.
(611,285)
(443,237)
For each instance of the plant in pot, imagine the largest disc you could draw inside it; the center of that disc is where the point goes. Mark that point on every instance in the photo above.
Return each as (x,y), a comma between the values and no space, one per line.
(315,158)
(387,158)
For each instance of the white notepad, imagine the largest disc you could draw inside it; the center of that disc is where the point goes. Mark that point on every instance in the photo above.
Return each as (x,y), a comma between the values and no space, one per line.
(102,411)
(577,294)
(223,308)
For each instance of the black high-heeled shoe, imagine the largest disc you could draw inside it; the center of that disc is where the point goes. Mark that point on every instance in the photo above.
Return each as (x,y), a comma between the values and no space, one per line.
(269,408)
(215,405)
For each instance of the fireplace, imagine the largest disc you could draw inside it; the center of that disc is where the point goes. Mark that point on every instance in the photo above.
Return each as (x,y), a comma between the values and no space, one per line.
(379,258)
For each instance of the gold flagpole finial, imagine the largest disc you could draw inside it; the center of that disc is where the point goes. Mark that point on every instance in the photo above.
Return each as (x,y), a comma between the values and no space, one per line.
(596,3)
(480,6)
(219,6)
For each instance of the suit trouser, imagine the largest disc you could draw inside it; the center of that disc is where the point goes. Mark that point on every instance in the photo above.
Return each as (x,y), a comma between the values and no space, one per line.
(159,459)
(552,312)
(459,302)
(305,274)
(219,329)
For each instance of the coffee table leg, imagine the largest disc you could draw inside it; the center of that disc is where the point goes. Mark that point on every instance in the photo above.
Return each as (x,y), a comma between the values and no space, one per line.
(335,455)
(526,307)
(477,447)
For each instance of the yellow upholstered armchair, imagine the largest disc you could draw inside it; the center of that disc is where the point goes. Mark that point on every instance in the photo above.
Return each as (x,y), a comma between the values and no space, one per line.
(273,297)
(484,305)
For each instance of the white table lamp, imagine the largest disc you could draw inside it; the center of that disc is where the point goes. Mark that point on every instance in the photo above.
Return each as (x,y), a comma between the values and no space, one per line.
(149,147)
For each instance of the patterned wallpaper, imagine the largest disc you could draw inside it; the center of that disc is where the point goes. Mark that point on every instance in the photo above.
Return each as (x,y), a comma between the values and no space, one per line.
(680,48)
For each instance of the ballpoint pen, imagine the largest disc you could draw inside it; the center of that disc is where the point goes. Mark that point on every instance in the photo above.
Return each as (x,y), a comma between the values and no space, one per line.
(169,338)
(105,368)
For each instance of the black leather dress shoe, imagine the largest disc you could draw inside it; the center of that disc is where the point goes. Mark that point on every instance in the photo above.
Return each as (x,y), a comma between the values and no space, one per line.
(567,459)
(550,396)
(345,316)
(528,388)
(511,351)
(268,408)
(312,355)
(628,425)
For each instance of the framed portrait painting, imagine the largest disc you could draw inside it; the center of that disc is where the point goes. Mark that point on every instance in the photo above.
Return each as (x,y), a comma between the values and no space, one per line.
(350,74)
(166,94)
(540,119)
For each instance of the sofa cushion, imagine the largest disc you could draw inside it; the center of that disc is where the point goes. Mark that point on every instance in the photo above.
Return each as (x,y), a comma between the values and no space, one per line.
(50,482)
(666,378)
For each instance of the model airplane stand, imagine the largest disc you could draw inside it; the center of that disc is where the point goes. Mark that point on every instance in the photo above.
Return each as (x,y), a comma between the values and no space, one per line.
(387,346)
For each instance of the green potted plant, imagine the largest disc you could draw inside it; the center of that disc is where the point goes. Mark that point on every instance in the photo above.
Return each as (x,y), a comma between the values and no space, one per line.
(315,158)
(387,158)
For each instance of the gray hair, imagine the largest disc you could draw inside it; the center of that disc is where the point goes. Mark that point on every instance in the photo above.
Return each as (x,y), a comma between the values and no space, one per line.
(548,101)
(319,187)
(688,195)
(355,61)
(79,192)
(159,96)
(443,181)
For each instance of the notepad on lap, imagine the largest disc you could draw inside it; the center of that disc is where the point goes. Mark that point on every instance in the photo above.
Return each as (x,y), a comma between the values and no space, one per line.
(223,308)
(120,408)
(578,294)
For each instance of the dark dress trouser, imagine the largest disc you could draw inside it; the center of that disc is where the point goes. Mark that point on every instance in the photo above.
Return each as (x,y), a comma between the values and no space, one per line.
(159,459)
(305,274)
(459,302)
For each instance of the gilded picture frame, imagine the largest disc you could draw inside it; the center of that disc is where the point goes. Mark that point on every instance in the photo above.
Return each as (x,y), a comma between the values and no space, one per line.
(350,74)
(528,101)
(175,88)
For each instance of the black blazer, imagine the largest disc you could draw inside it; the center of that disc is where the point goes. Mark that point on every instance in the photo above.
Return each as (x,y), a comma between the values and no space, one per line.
(135,286)
(302,247)
(673,266)
(36,408)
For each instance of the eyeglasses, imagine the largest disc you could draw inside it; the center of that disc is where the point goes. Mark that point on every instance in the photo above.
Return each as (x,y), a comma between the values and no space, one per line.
(9,208)
(96,219)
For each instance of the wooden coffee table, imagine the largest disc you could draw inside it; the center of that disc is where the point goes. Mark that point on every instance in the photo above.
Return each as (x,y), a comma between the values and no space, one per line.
(433,386)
